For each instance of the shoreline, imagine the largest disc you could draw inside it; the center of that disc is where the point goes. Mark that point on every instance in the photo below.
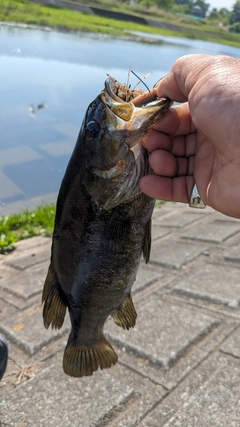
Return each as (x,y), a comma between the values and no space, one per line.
(149,38)
(128,36)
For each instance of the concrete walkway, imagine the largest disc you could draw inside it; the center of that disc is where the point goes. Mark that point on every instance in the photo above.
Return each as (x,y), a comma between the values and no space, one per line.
(180,365)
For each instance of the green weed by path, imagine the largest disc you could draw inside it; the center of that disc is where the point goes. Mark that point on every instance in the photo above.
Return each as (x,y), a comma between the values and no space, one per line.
(26,224)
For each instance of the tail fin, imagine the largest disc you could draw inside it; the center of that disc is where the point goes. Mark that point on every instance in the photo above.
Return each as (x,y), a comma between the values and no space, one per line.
(80,360)
(54,309)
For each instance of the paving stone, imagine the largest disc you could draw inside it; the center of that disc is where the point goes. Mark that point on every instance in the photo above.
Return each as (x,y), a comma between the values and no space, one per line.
(174,254)
(9,379)
(232,344)
(149,394)
(232,254)
(29,258)
(31,243)
(6,270)
(158,232)
(218,216)
(26,283)
(43,356)
(163,209)
(26,329)
(173,219)
(213,231)
(163,332)
(52,398)
(18,302)
(209,397)
(216,283)
(182,209)
(3,275)
(145,277)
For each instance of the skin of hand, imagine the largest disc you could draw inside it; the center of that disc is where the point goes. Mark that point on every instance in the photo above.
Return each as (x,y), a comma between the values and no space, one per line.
(198,139)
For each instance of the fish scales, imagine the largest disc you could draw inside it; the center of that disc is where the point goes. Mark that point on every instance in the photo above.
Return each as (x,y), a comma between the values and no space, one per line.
(102,226)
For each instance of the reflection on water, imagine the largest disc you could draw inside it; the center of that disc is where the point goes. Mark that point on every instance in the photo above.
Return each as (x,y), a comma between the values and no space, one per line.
(49,80)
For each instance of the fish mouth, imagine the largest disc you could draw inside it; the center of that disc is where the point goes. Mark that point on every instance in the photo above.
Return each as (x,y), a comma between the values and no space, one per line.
(129,115)
(135,106)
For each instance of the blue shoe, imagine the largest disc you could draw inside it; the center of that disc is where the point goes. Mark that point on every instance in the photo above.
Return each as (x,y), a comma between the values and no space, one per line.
(3,356)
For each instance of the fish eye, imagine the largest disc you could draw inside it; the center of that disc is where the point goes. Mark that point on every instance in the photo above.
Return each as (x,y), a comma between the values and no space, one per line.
(92,129)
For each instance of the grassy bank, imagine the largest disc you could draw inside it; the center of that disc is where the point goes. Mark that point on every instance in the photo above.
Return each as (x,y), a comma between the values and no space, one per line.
(39,222)
(24,11)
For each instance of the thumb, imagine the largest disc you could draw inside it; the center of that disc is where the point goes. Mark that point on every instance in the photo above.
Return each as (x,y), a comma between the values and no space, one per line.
(184,73)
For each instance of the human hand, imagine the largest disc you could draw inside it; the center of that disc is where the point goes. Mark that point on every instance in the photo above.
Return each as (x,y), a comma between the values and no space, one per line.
(199,139)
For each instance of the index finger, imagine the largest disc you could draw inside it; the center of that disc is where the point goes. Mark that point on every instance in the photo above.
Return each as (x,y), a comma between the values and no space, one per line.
(177,121)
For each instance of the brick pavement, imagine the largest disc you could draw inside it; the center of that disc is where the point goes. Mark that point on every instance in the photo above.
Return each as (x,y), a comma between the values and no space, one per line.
(179,366)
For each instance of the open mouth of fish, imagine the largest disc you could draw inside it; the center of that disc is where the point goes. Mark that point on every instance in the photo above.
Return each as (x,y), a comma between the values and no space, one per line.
(132,111)
(126,103)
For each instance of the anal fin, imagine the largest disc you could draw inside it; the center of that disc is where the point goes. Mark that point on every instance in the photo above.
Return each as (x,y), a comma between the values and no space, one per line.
(54,308)
(126,315)
(81,360)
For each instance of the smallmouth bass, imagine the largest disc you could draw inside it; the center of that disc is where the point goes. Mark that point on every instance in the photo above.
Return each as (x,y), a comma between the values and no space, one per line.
(102,225)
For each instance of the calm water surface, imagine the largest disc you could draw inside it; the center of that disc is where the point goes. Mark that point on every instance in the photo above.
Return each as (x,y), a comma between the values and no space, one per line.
(47,81)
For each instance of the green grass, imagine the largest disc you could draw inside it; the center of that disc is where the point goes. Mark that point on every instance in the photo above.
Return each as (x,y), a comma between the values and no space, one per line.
(16,227)
(24,11)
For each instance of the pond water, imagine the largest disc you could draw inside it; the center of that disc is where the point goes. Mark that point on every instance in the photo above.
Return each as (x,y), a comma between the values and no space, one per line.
(47,81)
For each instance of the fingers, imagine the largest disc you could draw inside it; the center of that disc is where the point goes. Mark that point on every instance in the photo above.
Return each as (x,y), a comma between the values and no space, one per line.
(179,146)
(154,140)
(177,121)
(168,189)
(165,164)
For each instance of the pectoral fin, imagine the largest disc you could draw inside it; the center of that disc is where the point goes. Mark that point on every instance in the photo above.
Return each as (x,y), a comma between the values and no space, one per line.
(117,227)
(126,315)
(147,242)
(54,308)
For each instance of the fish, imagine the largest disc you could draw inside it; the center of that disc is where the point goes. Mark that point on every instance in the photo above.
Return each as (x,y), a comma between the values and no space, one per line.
(102,225)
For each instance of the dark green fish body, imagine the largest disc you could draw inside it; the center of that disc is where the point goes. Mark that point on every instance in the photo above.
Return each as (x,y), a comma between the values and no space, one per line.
(102,228)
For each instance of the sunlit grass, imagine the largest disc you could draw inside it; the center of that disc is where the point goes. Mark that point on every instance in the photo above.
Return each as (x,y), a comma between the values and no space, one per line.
(16,227)
(31,13)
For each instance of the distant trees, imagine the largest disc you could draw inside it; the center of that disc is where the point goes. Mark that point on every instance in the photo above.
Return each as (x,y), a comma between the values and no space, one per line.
(235,16)
(234,20)
(229,19)
(218,14)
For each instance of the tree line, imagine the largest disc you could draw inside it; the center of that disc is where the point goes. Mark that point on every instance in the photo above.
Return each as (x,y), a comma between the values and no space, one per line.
(229,18)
